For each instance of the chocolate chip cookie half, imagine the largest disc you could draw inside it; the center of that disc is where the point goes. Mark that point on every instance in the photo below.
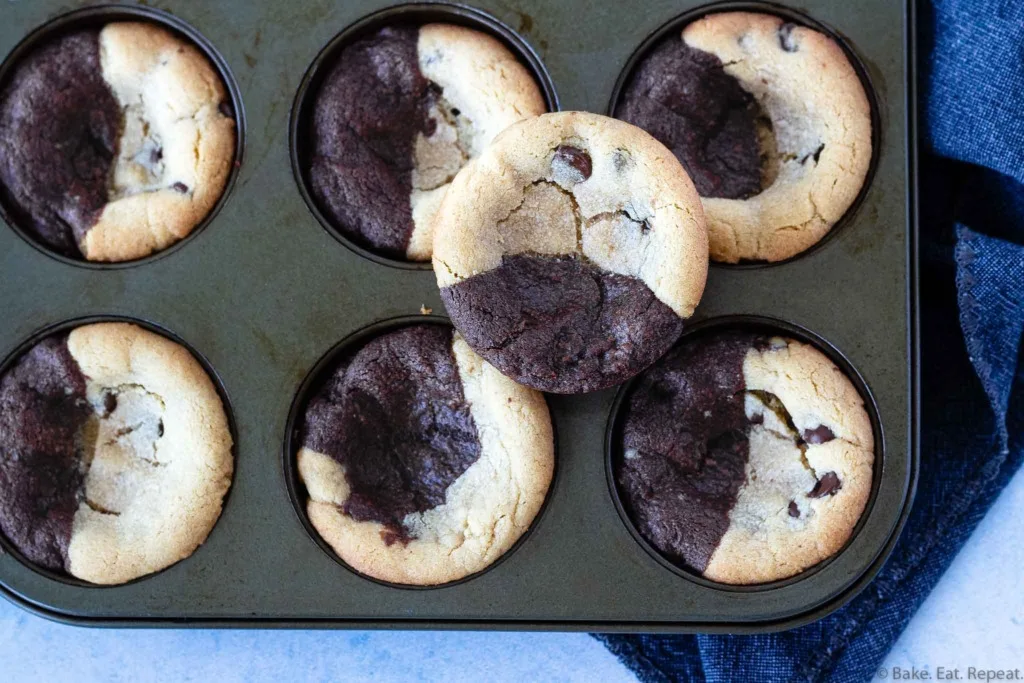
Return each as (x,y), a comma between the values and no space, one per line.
(771,121)
(115,453)
(745,458)
(396,117)
(423,464)
(571,251)
(115,142)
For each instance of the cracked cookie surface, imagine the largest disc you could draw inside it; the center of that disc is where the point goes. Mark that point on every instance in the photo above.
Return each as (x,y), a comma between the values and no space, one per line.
(114,143)
(115,453)
(746,458)
(397,116)
(423,464)
(571,251)
(770,118)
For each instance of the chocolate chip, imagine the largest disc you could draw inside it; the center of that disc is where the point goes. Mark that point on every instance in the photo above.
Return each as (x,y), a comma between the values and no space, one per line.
(575,158)
(109,403)
(226,109)
(433,93)
(818,435)
(794,509)
(816,154)
(160,428)
(786,38)
(764,344)
(620,160)
(455,111)
(180,187)
(757,419)
(155,155)
(828,485)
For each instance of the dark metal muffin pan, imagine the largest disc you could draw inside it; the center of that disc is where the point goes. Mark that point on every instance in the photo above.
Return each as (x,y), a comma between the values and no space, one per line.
(264,291)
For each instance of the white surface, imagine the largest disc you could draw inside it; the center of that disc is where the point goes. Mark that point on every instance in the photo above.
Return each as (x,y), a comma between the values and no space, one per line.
(974,618)
(32,649)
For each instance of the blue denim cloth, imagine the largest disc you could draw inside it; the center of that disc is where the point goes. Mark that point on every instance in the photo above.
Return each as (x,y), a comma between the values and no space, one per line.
(971,84)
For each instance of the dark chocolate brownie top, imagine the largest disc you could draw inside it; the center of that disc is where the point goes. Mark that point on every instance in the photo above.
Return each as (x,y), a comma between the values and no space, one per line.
(684,98)
(685,447)
(367,113)
(395,417)
(43,414)
(560,324)
(59,130)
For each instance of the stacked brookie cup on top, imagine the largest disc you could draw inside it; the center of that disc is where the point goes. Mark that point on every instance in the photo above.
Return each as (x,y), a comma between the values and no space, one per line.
(569,248)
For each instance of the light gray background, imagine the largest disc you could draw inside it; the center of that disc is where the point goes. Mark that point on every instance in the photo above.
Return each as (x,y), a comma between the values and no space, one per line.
(974,618)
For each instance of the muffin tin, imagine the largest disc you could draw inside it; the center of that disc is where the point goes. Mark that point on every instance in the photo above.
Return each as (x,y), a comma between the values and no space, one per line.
(263,291)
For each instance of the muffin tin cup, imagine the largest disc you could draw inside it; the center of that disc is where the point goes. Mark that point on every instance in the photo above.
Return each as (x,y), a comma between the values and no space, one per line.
(324,367)
(98,16)
(771,327)
(265,292)
(67,326)
(675,26)
(414,14)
